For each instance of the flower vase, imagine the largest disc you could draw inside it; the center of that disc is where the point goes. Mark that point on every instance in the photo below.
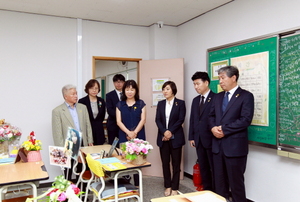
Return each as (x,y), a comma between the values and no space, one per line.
(33,156)
(140,160)
(4,149)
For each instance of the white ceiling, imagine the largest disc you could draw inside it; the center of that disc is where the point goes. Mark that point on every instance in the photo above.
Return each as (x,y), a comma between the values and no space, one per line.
(129,12)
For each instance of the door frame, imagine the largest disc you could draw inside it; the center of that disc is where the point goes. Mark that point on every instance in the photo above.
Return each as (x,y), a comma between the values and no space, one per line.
(94,58)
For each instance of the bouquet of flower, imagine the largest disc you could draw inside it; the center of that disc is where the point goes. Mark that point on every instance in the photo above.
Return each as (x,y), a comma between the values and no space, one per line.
(9,132)
(136,147)
(62,190)
(32,144)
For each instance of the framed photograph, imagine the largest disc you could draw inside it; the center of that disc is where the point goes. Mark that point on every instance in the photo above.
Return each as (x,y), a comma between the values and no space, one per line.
(73,142)
(59,157)
(215,66)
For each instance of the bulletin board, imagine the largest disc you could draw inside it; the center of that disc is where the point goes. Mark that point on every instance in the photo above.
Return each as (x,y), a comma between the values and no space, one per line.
(257,63)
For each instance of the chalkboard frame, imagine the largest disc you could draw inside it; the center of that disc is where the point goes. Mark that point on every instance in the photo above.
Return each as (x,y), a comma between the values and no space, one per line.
(275,38)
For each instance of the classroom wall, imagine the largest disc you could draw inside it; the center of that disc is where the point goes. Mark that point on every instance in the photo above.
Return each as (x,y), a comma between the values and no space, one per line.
(38,56)
(268,177)
(163,42)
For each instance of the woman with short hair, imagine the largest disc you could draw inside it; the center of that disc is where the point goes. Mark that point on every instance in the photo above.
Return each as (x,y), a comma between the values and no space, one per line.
(170,115)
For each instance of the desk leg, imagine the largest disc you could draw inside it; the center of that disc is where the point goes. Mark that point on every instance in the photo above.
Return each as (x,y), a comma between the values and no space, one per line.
(116,185)
(140,182)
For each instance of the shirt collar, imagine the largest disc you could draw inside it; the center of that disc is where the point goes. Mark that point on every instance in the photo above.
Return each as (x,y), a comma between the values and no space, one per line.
(69,106)
(171,102)
(206,94)
(232,91)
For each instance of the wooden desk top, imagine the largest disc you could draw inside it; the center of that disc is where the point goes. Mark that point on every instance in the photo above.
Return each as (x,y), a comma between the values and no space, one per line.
(22,172)
(183,197)
(106,148)
(97,149)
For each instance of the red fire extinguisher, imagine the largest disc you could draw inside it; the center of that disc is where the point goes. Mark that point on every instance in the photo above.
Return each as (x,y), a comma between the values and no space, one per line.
(197,177)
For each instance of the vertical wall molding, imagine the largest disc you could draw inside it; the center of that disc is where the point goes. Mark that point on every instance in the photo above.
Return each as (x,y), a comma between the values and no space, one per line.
(79,58)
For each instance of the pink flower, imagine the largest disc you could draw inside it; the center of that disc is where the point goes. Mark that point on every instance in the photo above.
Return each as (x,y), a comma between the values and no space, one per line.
(62,197)
(145,151)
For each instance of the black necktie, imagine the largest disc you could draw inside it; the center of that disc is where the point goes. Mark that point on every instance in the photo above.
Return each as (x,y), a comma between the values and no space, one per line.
(201,106)
(121,96)
(225,101)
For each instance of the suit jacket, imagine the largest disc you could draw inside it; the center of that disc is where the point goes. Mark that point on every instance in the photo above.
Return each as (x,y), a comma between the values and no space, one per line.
(199,130)
(111,101)
(61,120)
(176,120)
(234,121)
(96,123)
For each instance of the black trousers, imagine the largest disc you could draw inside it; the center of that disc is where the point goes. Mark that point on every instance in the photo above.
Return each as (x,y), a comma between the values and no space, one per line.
(169,154)
(205,160)
(229,175)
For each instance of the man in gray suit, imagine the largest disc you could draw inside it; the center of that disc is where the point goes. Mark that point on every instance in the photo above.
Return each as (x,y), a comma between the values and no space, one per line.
(71,114)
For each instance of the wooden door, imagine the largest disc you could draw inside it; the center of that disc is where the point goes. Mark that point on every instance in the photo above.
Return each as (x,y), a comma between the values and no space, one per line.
(149,72)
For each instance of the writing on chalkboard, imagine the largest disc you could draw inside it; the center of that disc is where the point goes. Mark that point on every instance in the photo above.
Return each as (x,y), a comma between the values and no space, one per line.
(289,91)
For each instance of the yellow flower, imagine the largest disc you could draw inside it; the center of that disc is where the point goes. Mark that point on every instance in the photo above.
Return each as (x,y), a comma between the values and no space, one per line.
(29,146)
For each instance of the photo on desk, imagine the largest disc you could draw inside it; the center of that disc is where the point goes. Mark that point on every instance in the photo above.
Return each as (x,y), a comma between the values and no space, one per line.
(73,142)
(59,157)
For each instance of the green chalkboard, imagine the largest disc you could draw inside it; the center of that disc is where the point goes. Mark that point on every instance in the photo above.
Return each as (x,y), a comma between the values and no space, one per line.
(289,91)
(257,63)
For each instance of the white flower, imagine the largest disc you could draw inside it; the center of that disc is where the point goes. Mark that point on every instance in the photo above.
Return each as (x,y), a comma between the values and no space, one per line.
(9,135)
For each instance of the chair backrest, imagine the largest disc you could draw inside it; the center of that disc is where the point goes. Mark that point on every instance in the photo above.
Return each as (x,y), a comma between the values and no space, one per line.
(95,166)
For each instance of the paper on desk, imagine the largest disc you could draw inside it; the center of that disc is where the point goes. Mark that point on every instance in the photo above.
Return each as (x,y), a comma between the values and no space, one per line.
(108,160)
(7,160)
(207,197)
(114,166)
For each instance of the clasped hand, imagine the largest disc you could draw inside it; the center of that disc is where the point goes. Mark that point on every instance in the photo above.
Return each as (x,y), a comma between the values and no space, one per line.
(167,136)
(217,131)
(131,135)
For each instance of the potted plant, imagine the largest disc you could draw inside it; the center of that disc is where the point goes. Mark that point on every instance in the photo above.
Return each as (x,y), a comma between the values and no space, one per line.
(136,150)
(32,148)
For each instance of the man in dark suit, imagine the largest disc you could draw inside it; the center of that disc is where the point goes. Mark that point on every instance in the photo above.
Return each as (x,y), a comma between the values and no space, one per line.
(200,135)
(231,114)
(112,98)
